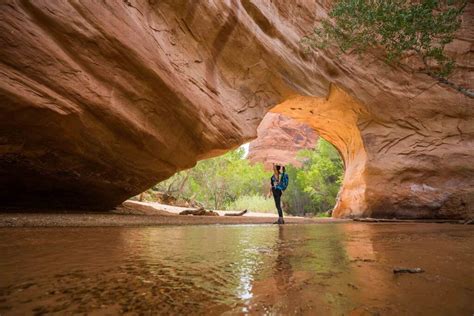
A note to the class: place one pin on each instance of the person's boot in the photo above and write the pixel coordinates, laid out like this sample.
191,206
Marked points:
280,221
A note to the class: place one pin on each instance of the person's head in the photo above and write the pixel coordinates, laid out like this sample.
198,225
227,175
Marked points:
283,169
278,167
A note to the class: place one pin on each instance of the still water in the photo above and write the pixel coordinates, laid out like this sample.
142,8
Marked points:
329,269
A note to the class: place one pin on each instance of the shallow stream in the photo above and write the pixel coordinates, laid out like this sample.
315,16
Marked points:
323,269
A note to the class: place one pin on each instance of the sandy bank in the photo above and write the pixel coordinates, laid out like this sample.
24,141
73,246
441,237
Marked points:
110,219
142,214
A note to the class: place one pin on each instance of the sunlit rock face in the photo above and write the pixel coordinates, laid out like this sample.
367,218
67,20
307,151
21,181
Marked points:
279,139
416,165
100,100
407,142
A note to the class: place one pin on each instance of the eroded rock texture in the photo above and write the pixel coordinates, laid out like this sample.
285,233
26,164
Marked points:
100,100
279,138
407,143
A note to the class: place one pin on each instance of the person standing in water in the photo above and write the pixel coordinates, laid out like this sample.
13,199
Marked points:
279,182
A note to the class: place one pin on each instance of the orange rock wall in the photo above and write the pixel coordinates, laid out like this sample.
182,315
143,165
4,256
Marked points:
335,119
279,138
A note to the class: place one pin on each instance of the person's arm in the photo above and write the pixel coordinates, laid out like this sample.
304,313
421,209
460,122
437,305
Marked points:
271,187
276,174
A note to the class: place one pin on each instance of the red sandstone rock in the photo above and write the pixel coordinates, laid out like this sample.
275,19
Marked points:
100,100
279,138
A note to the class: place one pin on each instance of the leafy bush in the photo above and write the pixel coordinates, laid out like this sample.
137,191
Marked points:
219,181
231,182
315,186
399,28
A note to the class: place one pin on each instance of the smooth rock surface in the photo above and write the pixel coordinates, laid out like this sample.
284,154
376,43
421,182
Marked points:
99,101
279,138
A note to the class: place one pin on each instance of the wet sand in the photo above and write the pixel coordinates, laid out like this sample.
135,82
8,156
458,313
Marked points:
112,219
142,214
134,213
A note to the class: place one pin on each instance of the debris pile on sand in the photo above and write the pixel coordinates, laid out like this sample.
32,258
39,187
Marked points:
203,212
199,212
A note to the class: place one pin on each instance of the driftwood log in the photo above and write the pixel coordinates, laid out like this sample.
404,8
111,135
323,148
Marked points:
199,212
236,214
203,212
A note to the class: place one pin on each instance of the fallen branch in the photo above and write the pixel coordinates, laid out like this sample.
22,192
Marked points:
236,214
199,212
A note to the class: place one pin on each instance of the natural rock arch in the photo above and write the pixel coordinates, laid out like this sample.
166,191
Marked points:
99,101
394,168
335,118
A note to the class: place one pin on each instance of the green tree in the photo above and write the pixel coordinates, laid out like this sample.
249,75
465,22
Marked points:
297,201
219,181
399,27
317,183
230,181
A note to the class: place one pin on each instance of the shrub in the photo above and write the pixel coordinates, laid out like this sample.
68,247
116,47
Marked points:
399,28
255,203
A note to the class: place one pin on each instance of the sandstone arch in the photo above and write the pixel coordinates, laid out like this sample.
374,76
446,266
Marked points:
99,101
335,118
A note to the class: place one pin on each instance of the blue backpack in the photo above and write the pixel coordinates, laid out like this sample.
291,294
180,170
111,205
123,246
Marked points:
284,181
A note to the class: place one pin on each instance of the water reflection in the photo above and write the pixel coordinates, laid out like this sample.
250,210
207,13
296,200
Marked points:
282,271
304,269
445,252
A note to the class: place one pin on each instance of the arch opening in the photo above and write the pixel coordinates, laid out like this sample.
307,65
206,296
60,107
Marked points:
336,118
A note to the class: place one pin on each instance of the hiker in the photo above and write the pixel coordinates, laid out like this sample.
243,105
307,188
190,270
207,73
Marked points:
279,182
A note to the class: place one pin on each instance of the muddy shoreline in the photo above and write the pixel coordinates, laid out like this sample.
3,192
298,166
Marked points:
113,219
122,220
137,214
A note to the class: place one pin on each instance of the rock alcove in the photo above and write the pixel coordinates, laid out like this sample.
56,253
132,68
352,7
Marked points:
99,101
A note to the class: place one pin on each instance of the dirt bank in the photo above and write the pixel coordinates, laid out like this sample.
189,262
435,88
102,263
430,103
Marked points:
113,219
141,214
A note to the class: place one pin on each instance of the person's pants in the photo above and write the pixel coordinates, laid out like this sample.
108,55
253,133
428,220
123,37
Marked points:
277,198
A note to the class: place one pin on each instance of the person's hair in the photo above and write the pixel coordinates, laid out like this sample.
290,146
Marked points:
278,167
283,168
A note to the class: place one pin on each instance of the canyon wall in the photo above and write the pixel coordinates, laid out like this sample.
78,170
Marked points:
279,138
100,100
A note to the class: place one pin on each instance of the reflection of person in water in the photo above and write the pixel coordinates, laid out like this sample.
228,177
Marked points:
282,271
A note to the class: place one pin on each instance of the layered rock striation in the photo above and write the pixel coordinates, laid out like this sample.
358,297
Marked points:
279,139
100,100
